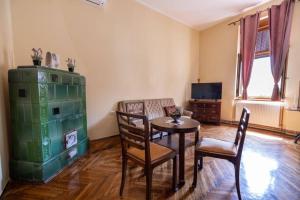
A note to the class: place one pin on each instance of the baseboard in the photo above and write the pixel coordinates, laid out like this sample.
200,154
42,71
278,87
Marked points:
3,189
105,138
265,128
286,132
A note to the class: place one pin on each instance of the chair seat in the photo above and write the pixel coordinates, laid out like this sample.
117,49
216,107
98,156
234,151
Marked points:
210,145
157,153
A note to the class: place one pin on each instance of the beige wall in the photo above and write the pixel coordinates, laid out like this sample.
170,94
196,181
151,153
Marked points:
125,50
218,47
291,119
218,58
6,60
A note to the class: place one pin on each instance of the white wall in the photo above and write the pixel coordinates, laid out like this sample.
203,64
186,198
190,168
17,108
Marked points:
6,60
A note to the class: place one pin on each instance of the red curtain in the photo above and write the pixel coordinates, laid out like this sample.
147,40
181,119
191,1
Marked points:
280,20
248,28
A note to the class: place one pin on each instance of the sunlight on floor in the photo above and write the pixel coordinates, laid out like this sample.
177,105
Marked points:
259,172
263,136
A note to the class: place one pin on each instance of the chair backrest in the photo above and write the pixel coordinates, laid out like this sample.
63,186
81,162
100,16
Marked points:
241,131
131,135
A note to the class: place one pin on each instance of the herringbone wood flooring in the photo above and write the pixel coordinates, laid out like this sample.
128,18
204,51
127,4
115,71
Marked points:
270,170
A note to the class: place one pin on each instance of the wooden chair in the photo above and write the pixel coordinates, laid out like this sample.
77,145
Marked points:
137,147
231,151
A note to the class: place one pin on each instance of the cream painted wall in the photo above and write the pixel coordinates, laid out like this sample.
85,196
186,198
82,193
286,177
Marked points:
218,48
218,61
291,119
6,60
125,50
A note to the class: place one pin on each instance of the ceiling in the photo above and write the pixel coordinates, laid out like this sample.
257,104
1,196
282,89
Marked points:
200,14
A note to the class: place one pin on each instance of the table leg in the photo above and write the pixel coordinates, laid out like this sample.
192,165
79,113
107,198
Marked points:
297,138
181,159
196,142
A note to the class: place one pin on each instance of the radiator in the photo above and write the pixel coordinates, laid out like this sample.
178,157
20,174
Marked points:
262,113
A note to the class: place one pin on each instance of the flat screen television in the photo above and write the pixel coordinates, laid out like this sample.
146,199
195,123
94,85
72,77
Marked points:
207,91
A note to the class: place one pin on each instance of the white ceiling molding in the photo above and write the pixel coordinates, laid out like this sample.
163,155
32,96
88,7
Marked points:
200,14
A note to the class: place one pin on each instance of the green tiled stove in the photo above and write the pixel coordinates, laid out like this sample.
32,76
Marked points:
48,118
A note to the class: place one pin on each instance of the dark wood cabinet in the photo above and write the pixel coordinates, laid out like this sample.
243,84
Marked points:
206,111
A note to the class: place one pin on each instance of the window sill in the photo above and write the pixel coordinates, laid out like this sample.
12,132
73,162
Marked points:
260,101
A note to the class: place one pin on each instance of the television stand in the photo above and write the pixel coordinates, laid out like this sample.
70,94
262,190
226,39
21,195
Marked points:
208,111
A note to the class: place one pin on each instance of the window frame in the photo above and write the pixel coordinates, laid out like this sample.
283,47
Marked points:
263,25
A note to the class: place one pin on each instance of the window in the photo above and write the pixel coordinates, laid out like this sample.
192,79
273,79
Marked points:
261,81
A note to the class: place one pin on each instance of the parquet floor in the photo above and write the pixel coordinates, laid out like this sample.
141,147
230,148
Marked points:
270,170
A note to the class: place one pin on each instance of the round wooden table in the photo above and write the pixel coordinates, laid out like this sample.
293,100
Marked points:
187,125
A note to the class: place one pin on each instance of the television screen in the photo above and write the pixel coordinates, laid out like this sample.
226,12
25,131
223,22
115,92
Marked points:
206,90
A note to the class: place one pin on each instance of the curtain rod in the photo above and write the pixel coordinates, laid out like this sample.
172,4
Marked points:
234,22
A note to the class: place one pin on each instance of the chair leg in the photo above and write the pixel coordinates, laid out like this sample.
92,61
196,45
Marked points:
196,137
237,179
174,181
161,135
201,163
124,169
195,170
149,173
297,138
151,134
